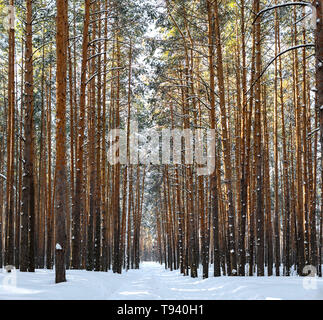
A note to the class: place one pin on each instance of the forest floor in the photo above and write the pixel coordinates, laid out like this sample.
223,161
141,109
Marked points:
151,282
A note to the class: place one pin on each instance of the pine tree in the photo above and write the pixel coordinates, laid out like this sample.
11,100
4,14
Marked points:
61,206
27,260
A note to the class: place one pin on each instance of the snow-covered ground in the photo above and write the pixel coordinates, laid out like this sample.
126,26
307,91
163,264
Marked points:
151,282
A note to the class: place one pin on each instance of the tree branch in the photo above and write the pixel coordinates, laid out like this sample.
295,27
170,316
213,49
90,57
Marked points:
308,45
281,6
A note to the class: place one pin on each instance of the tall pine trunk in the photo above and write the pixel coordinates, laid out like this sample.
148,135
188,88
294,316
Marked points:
61,208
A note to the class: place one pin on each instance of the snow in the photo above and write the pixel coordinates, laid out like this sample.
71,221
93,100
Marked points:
3,176
152,282
58,246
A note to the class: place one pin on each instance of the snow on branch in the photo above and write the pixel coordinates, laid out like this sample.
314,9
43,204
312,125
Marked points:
5,178
306,45
312,132
287,4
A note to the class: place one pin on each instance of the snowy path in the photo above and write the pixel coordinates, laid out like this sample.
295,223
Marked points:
151,282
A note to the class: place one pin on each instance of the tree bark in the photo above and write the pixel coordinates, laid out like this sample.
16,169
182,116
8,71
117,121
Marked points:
61,208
